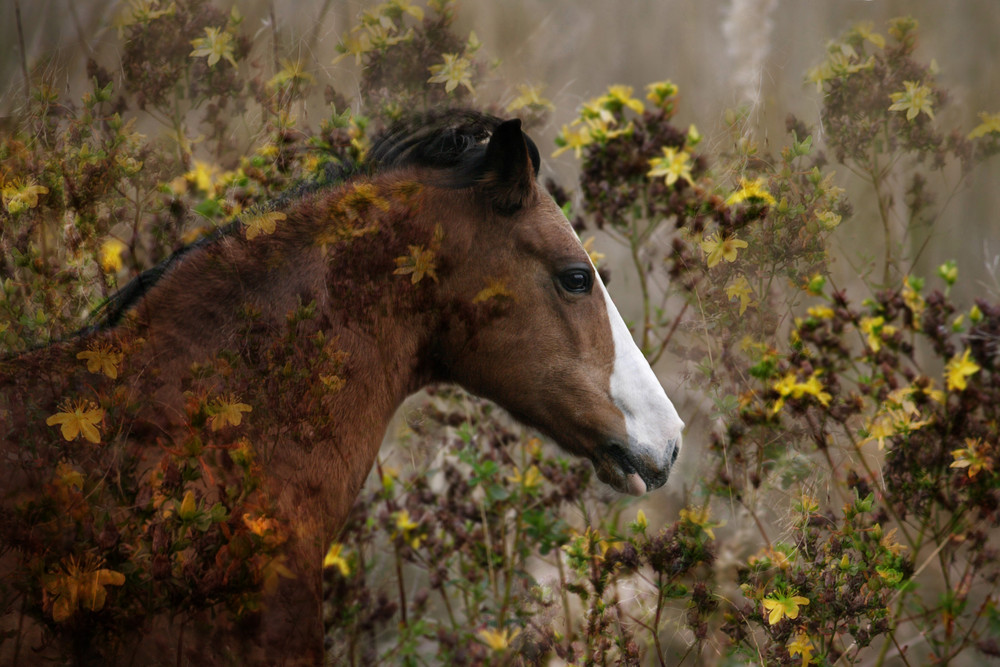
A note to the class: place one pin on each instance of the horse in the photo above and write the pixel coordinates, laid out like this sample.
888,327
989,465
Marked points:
256,371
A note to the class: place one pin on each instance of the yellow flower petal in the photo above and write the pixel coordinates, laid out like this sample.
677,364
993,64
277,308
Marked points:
78,418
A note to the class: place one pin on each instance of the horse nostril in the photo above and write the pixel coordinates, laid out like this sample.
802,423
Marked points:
677,450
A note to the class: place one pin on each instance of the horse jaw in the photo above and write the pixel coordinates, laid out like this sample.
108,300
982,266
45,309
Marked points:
651,421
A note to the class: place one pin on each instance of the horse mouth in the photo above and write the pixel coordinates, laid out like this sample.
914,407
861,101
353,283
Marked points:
627,473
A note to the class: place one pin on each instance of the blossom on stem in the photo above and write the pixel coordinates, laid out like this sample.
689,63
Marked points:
959,370
672,166
81,417
779,606
215,45
916,98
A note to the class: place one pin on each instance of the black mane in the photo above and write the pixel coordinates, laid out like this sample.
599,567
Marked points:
452,140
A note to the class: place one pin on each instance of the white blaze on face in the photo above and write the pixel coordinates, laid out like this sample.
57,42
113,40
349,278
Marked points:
653,426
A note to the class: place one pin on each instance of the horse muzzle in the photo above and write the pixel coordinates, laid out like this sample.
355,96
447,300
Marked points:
634,471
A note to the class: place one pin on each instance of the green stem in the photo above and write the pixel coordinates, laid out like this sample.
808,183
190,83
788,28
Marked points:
670,335
634,245
656,622
402,591
565,600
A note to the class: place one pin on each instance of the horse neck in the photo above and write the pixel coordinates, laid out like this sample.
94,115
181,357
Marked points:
378,326
380,370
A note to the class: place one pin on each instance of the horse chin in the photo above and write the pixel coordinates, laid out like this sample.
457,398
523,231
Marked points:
626,472
620,480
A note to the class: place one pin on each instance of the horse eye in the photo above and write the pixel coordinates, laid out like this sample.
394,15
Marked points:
577,281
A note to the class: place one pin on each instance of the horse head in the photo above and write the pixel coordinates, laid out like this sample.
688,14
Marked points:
545,341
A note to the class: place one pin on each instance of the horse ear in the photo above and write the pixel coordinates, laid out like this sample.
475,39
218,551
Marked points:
510,166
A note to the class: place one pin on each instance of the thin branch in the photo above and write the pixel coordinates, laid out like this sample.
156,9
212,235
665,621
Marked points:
24,55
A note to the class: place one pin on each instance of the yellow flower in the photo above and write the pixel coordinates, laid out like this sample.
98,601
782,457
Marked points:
19,196
913,100
129,165
74,585
948,272
621,96
401,7
334,558
958,370
498,640
808,504
990,125
67,476
881,428
790,386
404,522
601,131
595,257
531,97
261,223
389,477
693,137
385,34
975,457
801,645
698,517
227,411
865,30
78,418
351,45
814,387
202,176
876,329
215,44
110,256
260,525
673,165
821,312
472,44
891,575
740,289
913,300
661,92
828,220
896,416
591,545
141,12
780,606
721,249
596,110
528,480
454,71
640,521
819,75
188,507
358,202
815,284
417,264
405,526
292,72
754,191
101,359
575,139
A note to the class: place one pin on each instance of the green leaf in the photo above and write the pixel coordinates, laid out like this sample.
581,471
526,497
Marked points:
209,209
